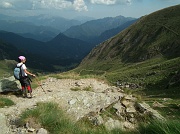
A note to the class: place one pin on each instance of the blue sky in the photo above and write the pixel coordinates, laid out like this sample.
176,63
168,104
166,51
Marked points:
91,8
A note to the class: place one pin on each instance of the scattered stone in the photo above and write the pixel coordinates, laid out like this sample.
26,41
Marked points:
31,130
113,124
145,108
42,131
167,99
71,102
78,84
131,109
157,104
50,90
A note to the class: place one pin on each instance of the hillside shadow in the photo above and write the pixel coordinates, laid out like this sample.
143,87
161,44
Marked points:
166,88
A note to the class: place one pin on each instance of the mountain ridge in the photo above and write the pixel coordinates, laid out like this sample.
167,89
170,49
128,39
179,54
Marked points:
139,41
147,53
90,30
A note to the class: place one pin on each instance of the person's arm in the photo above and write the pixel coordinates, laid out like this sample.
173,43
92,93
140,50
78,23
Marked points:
27,72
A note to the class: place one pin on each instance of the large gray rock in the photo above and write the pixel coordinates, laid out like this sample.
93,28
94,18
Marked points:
145,108
9,84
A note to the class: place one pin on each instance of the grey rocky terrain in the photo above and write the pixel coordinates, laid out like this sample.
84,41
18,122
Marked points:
78,104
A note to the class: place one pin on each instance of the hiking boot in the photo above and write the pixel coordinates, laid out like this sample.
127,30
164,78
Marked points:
30,95
24,94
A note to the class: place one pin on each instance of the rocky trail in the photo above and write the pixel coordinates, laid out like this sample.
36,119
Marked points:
77,103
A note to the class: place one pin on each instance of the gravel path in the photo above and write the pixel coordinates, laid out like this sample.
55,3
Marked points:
77,103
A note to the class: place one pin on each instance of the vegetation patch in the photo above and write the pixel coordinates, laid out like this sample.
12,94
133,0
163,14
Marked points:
75,89
52,118
158,127
5,102
89,88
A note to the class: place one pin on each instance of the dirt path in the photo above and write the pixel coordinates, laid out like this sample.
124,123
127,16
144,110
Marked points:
77,103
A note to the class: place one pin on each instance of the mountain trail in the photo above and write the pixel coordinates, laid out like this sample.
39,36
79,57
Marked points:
76,103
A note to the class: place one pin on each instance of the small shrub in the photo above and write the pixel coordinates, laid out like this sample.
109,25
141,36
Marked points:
75,89
89,88
6,102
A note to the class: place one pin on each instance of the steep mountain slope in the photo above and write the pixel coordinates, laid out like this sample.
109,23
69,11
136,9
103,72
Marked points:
64,47
148,52
92,29
6,51
8,55
21,43
112,32
154,35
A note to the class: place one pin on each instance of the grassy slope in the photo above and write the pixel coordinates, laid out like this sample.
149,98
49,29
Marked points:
147,53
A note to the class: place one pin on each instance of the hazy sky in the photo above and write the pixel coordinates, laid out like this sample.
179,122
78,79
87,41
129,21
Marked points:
91,8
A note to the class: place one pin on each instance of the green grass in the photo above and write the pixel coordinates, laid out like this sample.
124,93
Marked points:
5,102
158,127
152,75
52,118
56,121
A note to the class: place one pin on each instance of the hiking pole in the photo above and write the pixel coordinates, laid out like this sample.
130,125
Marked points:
40,84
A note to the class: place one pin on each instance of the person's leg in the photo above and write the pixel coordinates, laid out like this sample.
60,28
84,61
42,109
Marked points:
28,86
23,86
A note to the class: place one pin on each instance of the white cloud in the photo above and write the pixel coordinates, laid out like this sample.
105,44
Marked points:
6,4
110,2
77,5
51,4
80,5
106,2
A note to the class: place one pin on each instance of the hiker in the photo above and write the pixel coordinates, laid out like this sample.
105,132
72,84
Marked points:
24,79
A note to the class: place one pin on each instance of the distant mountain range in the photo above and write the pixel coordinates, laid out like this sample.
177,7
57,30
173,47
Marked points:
42,27
56,22
45,28
60,50
91,31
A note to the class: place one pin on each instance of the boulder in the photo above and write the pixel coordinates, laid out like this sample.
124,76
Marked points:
9,84
145,108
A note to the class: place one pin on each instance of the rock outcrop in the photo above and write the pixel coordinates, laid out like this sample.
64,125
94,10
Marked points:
9,84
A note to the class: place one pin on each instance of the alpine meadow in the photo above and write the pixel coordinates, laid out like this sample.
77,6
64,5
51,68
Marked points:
129,83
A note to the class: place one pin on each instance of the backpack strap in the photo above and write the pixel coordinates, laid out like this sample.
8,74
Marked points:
20,70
